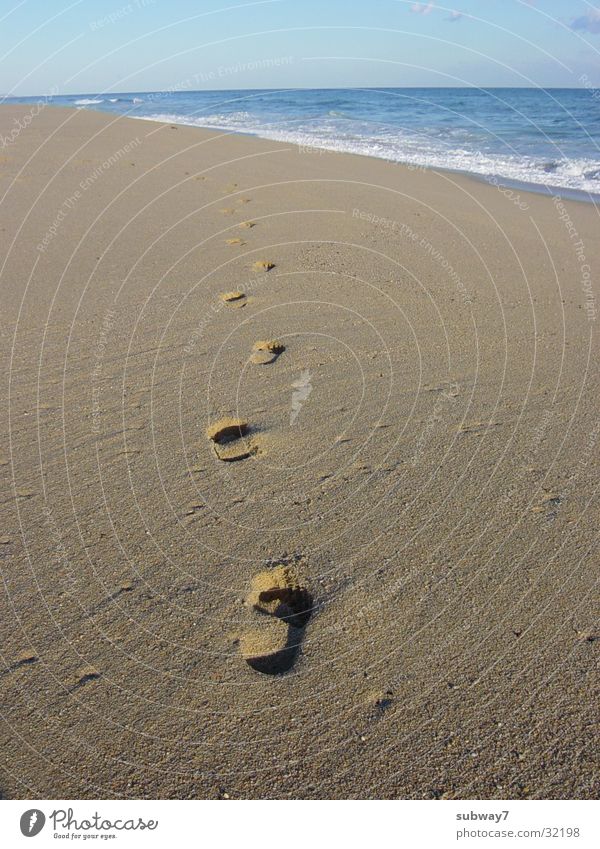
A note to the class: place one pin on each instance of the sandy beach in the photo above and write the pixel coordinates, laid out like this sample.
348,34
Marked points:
299,472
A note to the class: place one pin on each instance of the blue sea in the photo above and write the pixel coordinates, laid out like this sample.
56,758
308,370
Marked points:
541,137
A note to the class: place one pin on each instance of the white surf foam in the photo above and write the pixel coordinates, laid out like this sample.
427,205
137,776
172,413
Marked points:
410,148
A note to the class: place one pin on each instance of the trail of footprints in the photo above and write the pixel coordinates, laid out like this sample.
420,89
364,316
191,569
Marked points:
281,603
231,438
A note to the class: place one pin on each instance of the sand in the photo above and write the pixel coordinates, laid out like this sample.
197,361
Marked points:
423,459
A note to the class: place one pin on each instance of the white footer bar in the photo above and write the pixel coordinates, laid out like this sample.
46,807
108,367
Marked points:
230,823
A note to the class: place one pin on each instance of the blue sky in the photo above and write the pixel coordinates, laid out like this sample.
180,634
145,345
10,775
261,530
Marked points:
87,46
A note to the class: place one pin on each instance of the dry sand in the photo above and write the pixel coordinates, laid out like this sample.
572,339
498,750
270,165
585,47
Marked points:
421,456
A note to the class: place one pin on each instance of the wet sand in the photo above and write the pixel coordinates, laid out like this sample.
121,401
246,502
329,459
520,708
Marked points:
299,473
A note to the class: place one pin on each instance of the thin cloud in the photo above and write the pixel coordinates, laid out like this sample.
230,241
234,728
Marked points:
589,22
454,16
422,8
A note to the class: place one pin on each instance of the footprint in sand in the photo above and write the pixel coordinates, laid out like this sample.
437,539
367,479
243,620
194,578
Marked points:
24,659
85,676
477,427
263,265
378,704
122,589
286,606
25,493
235,242
227,210
587,636
195,508
247,225
234,299
231,441
548,502
266,351
241,201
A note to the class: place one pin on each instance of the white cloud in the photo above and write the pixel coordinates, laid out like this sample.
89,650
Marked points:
422,8
589,22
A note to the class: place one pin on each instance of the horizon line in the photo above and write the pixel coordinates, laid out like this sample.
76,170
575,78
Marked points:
303,88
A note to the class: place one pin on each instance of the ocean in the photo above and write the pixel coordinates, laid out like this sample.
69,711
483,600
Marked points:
543,139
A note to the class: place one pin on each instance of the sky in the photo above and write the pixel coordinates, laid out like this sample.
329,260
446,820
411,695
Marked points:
101,46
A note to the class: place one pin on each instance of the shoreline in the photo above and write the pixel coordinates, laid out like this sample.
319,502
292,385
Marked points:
509,183
547,190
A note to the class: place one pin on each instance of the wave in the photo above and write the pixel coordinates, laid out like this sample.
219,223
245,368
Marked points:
232,120
87,102
417,149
